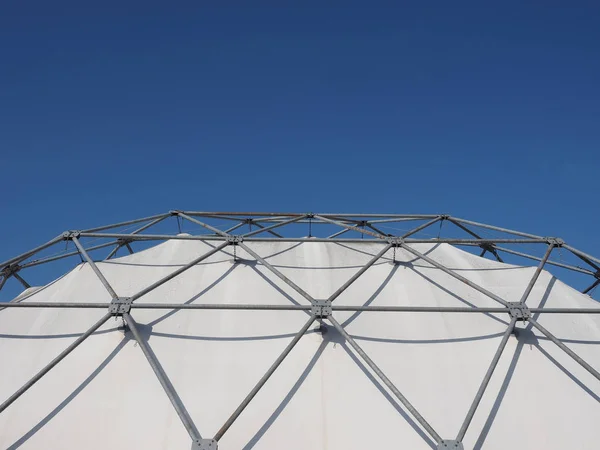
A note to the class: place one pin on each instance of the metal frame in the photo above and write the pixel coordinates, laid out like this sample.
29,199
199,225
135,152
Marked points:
318,309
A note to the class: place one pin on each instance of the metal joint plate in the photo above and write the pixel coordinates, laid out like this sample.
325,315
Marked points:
205,444
321,308
557,242
71,234
119,306
519,311
395,241
447,444
234,239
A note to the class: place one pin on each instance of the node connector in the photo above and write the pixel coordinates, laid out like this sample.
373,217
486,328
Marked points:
234,239
519,311
175,212
448,444
70,234
321,308
444,216
205,444
395,241
556,242
310,215
119,306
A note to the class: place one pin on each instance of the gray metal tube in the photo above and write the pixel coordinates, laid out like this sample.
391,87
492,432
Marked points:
54,362
537,273
491,227
385,380
202,224
363,269
285,279
178,271
552,263
351,227
420,227
235,227
25,284
92,264
566,349
279,224
485,381
455,275
163,237
162,378
292,307
584,256
66,255
31,252
263,380
339,233
585,291
122,224
475,235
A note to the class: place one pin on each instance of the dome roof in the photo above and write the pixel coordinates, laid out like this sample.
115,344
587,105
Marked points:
395,359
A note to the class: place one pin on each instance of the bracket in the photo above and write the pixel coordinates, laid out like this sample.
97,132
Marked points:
519,311
444,216
174,212
395,241
310,215
234,239
488,247
556,242
119,306
11,269
321,308
68,235
448,444
205,444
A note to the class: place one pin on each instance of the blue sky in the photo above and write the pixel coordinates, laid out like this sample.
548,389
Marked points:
125,110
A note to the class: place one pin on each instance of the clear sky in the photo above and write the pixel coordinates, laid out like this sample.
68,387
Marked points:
130,109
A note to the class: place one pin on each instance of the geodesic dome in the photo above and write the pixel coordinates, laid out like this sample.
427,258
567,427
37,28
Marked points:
319,331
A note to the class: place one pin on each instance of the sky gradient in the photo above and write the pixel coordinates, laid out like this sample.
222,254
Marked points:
122,111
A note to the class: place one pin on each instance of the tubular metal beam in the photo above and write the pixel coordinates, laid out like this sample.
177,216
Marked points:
566,349
280,224
162,378
178,271
384,239
485,381
339,233
552,263
122,224
596,283
202,224
421,227
263,307
281,276
455,275
491,227
537,273
270,232
92,264
385,380
22,256
351,227
493,250
263,380
53,363
66,255
362,270
584,256
25,284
